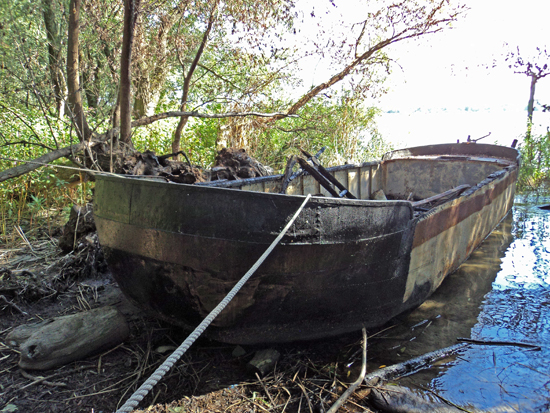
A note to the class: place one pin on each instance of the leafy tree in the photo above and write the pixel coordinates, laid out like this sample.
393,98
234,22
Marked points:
536,67
536,147
206,59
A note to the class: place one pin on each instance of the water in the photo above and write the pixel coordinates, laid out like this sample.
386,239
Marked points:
432,126
500,294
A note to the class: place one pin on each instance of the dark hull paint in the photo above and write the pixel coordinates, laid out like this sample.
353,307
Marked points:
176,250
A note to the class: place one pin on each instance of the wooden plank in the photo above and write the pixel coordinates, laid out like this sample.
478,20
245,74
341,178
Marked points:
353,182
311,186
364,178
257,187
322,180
455,191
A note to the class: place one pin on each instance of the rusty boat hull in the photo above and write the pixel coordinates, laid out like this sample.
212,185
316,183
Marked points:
176,250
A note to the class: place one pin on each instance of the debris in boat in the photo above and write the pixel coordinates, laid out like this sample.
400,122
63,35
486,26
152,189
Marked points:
233,164
264,361
287,176
327,175
379,196
442,197
61,340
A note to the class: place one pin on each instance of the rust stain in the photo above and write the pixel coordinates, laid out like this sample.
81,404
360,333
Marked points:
447,218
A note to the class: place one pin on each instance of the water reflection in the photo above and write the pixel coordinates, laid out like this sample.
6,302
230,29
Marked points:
501,293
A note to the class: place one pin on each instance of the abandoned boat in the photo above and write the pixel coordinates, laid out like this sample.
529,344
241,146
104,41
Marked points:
176,249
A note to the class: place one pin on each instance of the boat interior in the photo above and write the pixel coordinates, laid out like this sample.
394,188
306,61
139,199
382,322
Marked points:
426,181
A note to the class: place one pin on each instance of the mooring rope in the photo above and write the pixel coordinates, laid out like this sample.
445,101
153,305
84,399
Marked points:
146,387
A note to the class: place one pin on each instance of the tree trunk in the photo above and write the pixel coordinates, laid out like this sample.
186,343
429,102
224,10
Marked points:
176,142
125,93
531,104
54,54
73,84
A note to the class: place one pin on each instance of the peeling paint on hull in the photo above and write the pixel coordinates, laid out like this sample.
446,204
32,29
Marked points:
176,250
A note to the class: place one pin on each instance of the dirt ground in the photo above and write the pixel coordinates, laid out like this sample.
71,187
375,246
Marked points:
38,281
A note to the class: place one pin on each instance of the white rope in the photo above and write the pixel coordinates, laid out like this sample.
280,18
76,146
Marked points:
146,387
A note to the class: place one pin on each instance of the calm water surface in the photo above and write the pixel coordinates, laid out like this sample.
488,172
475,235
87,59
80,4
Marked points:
501,293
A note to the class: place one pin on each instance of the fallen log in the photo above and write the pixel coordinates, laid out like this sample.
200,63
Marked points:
29,166
61,340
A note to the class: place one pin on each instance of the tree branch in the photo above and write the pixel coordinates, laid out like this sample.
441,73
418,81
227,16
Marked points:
29,166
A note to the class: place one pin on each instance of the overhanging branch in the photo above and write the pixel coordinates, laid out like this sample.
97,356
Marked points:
69,150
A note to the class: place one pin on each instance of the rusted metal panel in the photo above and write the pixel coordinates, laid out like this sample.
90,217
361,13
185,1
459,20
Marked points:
448,235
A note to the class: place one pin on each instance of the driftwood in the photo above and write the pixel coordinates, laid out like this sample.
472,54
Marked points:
417,363
61,340
397,399
500,343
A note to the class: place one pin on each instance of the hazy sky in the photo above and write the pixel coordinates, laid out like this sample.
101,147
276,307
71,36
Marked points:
450,68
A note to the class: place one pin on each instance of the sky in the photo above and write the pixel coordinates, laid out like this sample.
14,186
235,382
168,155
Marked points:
452,70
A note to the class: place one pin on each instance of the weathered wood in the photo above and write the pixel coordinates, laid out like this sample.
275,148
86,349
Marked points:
499,343
288,172
320,178
455,191
61,340
328,175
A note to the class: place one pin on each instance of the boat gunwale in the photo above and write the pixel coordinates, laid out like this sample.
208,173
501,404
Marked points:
321,199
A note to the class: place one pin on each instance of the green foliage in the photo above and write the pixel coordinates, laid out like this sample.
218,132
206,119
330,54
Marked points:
30,198
247,65
342,124
200,141
535,166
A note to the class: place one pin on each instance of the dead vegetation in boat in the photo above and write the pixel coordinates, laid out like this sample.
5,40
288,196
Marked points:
230,164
